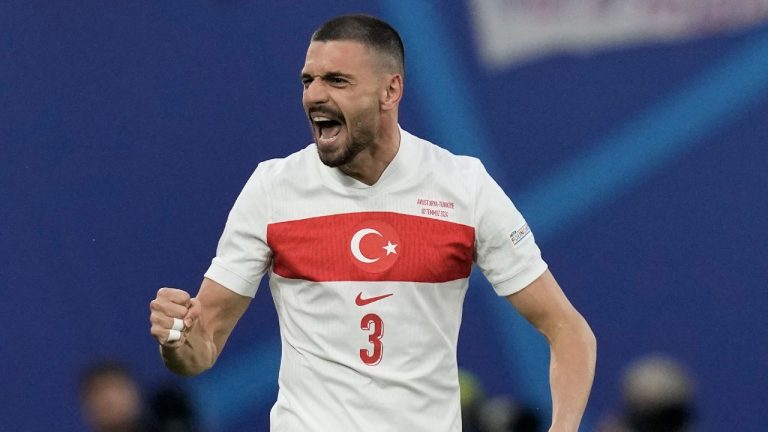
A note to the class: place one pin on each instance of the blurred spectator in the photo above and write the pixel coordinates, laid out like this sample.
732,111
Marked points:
502,414
497,414
472,397
110,399
172,411
657,396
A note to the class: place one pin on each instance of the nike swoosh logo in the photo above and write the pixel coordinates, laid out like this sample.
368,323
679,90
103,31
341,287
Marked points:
360,301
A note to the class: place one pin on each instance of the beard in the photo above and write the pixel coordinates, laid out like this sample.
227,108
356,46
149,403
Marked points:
347,153
360,136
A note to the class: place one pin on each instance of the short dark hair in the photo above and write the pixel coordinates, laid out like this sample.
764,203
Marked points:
368,30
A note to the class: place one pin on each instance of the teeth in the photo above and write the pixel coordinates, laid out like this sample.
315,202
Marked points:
319,119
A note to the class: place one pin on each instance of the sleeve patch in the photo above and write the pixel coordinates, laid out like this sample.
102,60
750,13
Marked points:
519,234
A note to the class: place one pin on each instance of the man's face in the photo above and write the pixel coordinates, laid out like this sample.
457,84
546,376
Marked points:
341,98
112,402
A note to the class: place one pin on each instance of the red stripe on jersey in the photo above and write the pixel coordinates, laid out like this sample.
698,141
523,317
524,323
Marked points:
371,246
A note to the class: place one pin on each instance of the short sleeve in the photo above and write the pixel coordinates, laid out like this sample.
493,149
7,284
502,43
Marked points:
505,250
242,255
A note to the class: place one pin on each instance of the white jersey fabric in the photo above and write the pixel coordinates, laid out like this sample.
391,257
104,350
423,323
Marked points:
369,281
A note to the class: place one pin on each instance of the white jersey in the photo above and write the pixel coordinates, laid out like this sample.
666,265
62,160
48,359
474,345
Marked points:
369,281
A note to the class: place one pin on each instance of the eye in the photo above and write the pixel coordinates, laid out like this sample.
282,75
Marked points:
338,81
306,81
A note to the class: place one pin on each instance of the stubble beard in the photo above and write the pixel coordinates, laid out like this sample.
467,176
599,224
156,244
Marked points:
359,137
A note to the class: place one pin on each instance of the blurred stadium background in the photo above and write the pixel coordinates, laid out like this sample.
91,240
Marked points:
632,134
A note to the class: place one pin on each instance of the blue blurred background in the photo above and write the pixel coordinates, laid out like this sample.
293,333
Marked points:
128,128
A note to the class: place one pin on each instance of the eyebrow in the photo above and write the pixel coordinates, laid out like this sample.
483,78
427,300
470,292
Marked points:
327,75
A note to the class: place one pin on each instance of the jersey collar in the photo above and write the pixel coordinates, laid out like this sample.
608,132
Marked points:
393,173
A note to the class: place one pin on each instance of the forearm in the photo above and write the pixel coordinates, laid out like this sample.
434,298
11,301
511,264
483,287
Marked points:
572,369
194,356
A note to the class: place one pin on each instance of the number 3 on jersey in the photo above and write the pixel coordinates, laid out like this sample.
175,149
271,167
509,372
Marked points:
372,323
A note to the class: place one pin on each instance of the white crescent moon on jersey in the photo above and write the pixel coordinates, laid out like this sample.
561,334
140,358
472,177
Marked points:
354,245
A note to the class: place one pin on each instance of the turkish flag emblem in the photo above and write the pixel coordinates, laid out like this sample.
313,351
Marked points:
374,246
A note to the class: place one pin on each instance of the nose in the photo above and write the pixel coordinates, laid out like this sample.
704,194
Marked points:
315,93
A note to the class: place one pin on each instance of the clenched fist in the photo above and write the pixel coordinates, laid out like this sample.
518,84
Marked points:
173,313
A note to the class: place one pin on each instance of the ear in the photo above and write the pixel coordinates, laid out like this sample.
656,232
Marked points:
392,92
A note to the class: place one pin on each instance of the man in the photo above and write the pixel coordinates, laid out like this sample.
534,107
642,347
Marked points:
111,400
369,251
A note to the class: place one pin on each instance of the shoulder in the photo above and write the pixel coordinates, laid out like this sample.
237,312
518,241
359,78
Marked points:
288,165
295,165
439,158
259,192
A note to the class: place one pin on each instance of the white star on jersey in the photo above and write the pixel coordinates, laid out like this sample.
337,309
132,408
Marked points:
390,248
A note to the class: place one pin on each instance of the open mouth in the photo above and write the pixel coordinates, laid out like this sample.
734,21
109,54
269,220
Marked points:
327,127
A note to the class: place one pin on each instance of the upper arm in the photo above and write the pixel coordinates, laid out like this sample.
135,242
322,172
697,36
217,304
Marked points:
505,249
221,309
545,306
243,254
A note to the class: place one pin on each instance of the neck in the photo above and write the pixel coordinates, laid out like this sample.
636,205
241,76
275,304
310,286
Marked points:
369,165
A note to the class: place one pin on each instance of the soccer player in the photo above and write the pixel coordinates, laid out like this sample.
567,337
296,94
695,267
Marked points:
369,249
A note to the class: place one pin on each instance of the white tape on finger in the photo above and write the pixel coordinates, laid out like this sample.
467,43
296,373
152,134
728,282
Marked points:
173,335
178,325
